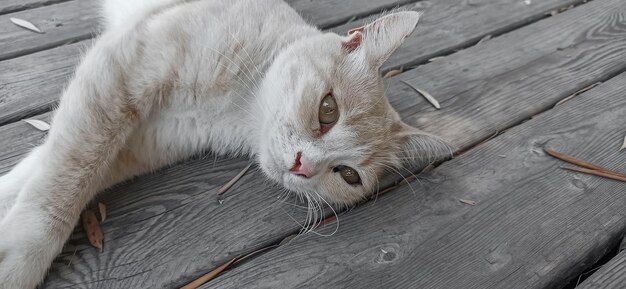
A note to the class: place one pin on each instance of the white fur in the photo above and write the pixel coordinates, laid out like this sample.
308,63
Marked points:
172,78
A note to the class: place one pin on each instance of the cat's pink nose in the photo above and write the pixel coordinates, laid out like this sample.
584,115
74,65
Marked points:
301,168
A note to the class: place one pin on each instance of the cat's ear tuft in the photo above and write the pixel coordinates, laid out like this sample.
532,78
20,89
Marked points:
354,41
379,39
419,147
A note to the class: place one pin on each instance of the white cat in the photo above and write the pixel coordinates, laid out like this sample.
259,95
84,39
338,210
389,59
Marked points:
169,79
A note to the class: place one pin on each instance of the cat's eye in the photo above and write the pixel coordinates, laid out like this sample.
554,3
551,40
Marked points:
348,174
329,112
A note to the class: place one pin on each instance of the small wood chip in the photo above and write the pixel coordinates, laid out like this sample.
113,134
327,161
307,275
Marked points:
392,73
468,202
38,124
92,228
623,144
436,58
230,183
25,24
103,212
484,39
425,94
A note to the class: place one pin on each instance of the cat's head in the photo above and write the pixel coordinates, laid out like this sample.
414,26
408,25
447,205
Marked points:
328,129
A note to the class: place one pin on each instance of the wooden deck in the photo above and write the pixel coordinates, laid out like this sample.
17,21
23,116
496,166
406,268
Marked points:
498,68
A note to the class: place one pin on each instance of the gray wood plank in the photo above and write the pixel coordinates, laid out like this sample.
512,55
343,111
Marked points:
328,13
17,139
156,222
447,26
437,33
610,276
32,84
534,225
10,6
63,23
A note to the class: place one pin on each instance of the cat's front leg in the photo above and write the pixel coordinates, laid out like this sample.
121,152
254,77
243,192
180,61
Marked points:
95,118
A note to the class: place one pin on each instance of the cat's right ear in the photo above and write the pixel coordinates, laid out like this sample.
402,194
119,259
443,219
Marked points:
376,41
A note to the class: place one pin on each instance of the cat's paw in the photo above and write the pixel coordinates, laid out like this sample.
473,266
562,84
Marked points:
26,252
18,268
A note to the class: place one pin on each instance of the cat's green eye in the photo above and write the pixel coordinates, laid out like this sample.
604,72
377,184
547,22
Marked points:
329,112
348,174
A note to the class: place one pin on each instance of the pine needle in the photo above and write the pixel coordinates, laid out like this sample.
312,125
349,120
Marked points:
208,276
38,124
230,183
425,94
25,24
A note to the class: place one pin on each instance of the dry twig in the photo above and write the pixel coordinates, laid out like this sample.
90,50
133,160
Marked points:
230,183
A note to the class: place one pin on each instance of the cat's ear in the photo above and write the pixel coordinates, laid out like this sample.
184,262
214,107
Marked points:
376,41
417,146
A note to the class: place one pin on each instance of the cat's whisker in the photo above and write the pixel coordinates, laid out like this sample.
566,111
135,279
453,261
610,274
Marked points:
322,219
402,176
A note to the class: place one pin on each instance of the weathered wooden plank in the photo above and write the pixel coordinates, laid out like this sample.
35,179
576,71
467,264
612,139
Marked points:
32,84
454,24
17,139
328,13
63,23
611,275
151,238
436,34
534,224
10,6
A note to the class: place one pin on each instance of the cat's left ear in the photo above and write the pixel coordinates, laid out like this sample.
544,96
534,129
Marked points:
418,146
376,41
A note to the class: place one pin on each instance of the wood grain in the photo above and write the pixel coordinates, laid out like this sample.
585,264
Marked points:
63,23
10,6
447,26
610,275
32,84
440,31
168,228
329,13
534,225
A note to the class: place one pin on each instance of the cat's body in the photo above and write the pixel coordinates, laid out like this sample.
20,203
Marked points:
170,79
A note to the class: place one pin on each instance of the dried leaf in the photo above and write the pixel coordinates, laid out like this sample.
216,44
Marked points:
392,73
425,94
92,228
103,212
38,124
623,144
25,24
468,202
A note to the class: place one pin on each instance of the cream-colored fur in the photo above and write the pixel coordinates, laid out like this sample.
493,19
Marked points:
169,79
